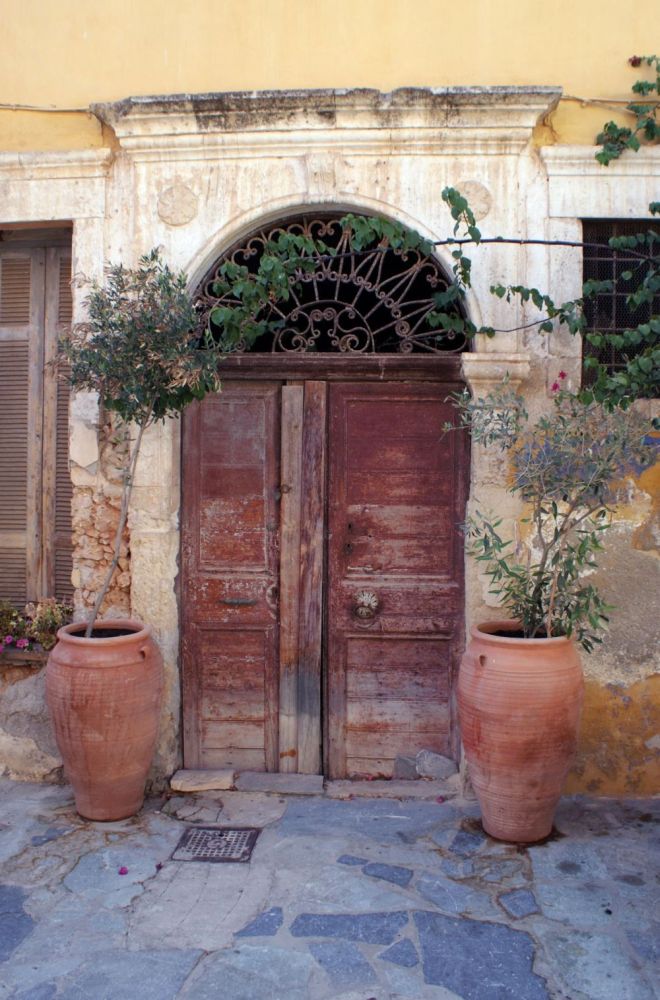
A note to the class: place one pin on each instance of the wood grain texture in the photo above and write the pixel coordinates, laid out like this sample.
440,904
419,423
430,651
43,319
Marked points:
312,577
394,508
290,512
229,580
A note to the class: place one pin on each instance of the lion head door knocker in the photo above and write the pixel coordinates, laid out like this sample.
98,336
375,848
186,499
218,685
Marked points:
366,605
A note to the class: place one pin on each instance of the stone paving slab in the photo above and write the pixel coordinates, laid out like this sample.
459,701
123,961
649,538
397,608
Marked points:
354,899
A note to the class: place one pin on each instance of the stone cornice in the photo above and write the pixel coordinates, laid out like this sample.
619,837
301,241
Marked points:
580,161
410,120
65,165
485,370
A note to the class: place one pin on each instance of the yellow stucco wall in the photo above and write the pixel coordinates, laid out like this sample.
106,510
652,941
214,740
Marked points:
68,54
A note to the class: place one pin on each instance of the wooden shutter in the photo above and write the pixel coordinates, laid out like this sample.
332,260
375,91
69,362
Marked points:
35,487
57,488
21,393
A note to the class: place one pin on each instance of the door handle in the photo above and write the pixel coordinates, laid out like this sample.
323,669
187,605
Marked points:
366,604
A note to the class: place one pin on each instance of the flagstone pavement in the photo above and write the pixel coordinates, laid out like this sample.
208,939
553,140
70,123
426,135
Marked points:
354,899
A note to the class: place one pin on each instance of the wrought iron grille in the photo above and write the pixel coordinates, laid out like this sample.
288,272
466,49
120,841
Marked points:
609,312
369,302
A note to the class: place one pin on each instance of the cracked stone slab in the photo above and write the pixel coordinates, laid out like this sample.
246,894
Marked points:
477,960
44,991
593,965
581,905
67,935
197,905
114,975
455,897
396,874
15,923
371,928
375,820
343,962
519,903
266,924
402,953
351,860
97,874
252,973
467,843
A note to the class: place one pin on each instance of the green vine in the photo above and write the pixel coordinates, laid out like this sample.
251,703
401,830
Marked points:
615,139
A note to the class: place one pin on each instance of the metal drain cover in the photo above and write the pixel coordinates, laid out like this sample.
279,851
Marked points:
216,843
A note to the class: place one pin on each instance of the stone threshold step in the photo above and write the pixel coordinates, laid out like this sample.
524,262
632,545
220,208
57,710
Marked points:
188,780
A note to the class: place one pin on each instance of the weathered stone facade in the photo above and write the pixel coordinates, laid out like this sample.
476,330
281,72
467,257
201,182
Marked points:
194,174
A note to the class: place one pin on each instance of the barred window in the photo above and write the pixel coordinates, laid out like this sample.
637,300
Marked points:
609,312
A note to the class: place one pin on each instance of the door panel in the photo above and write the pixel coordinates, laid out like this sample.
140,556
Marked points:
230,566
323,490
395,502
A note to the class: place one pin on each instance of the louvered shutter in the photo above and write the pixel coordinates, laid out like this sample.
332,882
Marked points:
21,403
35,485
57,532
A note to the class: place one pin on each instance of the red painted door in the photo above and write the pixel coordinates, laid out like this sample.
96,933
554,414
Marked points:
395,591
229,578
345,499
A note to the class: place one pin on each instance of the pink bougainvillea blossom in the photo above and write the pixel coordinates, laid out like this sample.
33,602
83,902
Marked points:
554,387
562,376
8,639
123,870
22,643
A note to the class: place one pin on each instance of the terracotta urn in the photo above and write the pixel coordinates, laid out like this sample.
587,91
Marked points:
104,695
519,704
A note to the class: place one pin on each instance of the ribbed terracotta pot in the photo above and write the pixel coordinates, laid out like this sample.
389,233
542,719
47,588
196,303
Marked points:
104,695
519,704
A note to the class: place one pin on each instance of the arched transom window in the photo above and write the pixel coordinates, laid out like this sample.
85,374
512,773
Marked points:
354,302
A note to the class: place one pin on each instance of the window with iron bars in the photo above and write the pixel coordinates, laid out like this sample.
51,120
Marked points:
609,312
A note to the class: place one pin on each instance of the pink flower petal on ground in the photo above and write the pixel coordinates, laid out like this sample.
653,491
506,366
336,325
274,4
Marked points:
562,375
123,870
440,799
554,387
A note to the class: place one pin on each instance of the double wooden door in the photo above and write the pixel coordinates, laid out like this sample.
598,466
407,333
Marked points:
322,575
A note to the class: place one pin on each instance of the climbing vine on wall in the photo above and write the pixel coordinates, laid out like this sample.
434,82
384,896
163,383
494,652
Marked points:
243,318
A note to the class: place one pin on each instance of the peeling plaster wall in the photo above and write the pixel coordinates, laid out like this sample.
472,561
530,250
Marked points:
194,174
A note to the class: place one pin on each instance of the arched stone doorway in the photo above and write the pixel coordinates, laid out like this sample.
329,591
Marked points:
322,604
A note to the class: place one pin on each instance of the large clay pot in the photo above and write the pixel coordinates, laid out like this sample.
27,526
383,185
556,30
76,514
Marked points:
519,703
104,695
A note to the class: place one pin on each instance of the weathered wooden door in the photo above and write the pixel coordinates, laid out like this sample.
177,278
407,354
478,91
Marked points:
321,594
394,574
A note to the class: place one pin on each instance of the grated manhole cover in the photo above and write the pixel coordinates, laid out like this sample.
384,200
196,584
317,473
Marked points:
216,843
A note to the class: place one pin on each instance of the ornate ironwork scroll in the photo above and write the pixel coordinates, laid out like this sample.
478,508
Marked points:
368,302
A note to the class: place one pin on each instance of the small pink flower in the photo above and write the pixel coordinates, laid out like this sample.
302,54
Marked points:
22,643
8,639
123,870
440,799
562,376
554,387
